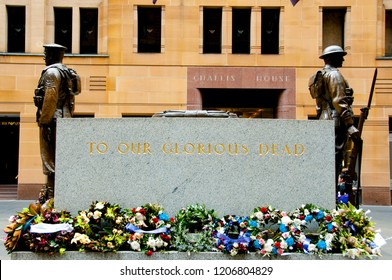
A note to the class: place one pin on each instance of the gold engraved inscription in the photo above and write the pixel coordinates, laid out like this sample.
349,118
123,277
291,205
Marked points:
281,150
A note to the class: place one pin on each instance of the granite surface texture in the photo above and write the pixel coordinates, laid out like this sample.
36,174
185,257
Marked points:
230,165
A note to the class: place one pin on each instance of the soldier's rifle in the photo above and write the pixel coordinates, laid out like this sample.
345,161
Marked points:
356,153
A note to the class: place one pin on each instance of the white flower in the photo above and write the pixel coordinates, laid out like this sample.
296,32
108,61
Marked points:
259,215
286,220
97,214
140,217
302,238
329,237
159,243
99,205
351,253
138,236
233,252
119,220
135,245
82,238
268,245
151,243
283,244
311,247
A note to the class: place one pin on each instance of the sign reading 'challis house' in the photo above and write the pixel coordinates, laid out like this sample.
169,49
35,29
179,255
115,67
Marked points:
230,165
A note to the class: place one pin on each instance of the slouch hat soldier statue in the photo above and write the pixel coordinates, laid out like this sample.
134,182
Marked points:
334,99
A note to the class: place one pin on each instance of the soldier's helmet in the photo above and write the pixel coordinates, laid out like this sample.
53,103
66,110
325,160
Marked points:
333,49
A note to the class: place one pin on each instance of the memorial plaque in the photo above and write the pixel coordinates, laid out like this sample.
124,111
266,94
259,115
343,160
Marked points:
231,165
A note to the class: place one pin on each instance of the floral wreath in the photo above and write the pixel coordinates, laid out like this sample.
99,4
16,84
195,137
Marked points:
352,232
267,231
193,229
100,228
149,228
236,234
40,228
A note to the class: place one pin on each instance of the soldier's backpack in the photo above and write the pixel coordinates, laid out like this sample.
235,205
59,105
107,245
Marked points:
316,84
70,82
74,84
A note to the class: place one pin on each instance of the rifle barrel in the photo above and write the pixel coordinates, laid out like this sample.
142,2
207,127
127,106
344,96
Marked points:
372,88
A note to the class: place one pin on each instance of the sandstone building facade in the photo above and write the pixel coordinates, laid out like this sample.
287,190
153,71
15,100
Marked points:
251,57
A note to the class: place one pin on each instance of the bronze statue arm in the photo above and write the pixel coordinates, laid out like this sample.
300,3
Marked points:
51,87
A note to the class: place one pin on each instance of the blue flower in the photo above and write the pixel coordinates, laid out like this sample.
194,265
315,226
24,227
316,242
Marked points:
330,227
308,218
322,245
319,215
253,223
290,241
256,244
282,228
163,217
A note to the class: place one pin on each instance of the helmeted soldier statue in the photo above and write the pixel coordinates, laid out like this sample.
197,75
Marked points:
335,103
53,99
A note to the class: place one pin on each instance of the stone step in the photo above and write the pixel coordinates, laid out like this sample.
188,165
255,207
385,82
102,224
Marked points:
8,192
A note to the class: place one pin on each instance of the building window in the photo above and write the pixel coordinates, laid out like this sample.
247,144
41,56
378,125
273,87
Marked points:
241,30
212,30
333,27
388,33
88,30
270,30
149,29
16,28
63,27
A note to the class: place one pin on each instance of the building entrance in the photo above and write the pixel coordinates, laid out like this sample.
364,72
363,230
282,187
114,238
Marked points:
246,103
9,143
265,92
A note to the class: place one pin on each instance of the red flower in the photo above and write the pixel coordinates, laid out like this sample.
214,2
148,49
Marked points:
134,210
263,209
301,217
155,220
299,245
277,244
328,218
165,237
172,220
142,211
149,253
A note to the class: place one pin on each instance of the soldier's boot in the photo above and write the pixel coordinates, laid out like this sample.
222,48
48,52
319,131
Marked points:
50,186
47,191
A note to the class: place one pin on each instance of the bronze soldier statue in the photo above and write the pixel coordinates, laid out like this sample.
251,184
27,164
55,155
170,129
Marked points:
334,99
54,98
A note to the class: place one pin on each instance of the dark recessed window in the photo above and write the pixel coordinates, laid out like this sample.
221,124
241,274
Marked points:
270,31
388,33
212,30
241,31
63,27
149,29
16,28
88,31
333,27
